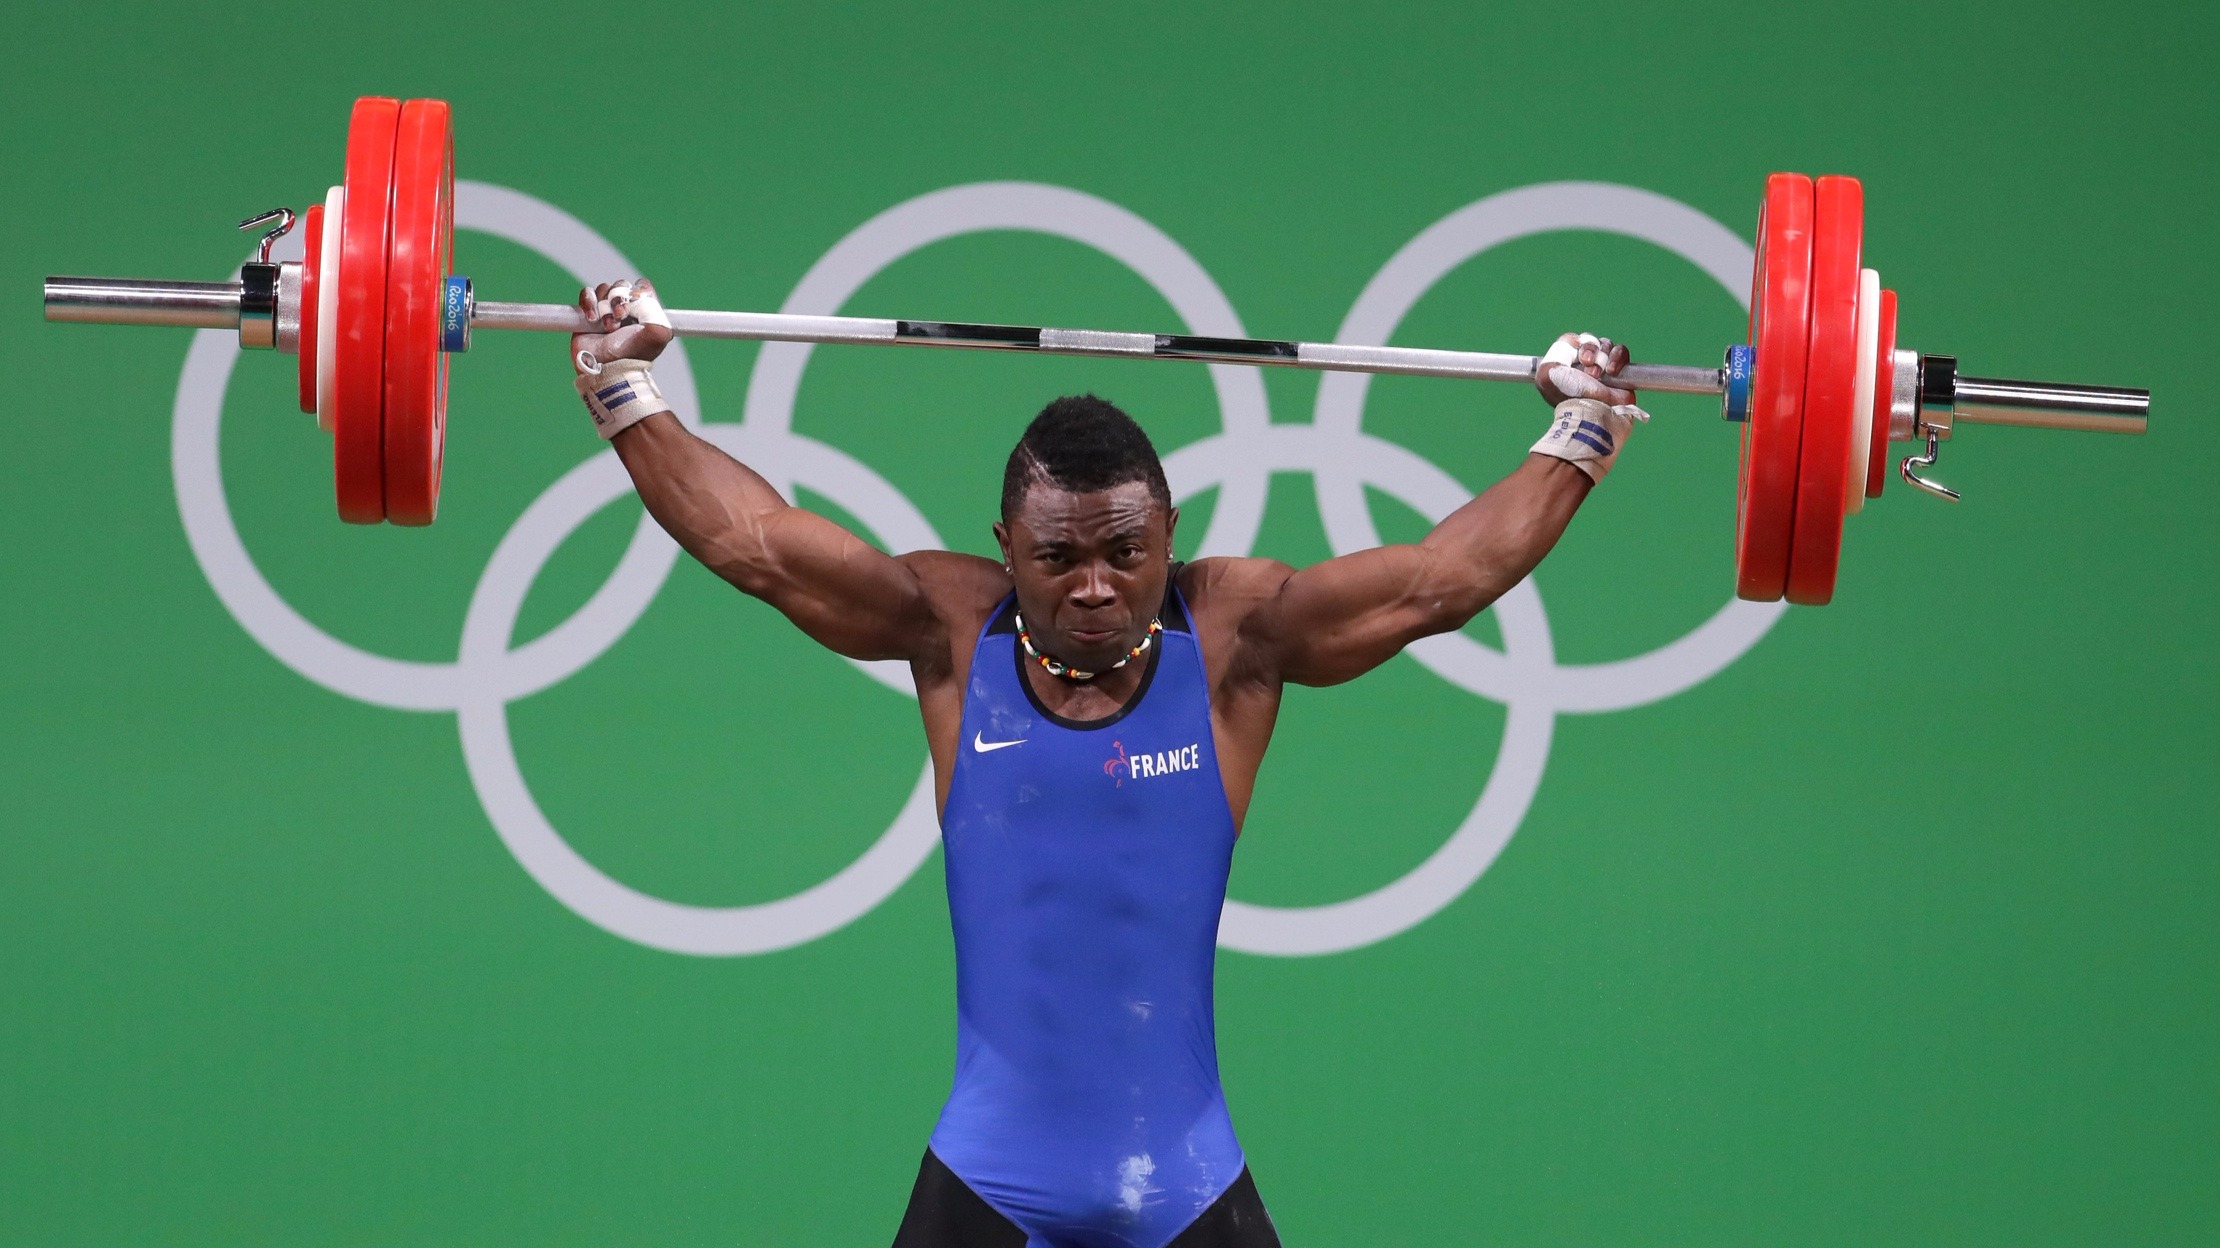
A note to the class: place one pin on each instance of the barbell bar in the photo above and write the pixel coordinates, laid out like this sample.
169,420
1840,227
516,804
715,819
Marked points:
374,310
217,305
1978,400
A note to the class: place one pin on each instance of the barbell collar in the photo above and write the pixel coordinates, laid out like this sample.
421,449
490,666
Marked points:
1938,380
286,323
258,305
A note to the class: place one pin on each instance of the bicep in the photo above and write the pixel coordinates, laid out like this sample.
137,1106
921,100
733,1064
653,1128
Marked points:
1336,620
846,594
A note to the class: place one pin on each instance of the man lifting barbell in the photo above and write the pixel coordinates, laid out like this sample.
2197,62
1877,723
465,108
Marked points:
1096,713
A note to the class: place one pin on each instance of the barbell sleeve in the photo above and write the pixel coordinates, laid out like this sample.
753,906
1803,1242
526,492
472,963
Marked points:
136,301
2050,405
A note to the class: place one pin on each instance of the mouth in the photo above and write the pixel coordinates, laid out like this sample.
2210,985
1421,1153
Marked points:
1093,637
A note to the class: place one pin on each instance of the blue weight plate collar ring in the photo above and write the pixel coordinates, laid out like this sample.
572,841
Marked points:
1734,400
455,301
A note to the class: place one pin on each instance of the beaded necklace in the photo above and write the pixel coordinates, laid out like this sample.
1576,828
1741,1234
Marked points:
1057,667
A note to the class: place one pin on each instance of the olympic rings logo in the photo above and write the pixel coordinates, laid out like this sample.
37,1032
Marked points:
489,671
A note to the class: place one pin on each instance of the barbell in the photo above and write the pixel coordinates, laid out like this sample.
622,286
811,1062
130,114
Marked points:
374,310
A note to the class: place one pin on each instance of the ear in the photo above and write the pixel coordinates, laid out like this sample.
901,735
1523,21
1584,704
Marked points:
1171,530
1002,539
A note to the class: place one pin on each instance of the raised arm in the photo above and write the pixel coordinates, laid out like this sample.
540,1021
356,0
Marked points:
839,589
1336,620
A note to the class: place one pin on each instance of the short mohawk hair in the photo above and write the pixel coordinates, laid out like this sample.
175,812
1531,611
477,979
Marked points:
1083,444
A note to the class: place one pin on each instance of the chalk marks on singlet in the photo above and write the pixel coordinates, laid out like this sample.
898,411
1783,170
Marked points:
490,671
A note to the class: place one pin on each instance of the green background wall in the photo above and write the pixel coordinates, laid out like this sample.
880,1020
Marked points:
1900,929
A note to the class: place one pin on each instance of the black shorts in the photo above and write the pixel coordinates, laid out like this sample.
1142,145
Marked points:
945,1213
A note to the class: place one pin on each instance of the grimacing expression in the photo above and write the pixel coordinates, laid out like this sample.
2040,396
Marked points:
1090,569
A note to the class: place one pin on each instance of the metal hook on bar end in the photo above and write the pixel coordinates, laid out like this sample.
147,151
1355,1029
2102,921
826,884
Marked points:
1936,488
284,218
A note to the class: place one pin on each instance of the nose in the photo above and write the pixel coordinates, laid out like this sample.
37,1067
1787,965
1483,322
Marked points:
1093,590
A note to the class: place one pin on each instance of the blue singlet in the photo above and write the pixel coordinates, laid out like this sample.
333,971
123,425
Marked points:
1087,867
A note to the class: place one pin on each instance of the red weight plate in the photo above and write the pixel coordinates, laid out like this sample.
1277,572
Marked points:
416,267
312,263
1830,391
358,340
1780,307
1884,384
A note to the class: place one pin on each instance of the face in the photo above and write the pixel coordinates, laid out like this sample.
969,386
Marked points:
1089,568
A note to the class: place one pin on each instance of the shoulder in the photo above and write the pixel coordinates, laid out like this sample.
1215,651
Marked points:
1227,591
951,568
1232,603
960,590
956,584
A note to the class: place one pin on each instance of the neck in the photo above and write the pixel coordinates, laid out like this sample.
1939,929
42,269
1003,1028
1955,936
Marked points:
1099,698
1063,670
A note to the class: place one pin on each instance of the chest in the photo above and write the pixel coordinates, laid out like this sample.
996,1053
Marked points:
1152,756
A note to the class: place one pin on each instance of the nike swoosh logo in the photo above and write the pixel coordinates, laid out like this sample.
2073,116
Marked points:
980,743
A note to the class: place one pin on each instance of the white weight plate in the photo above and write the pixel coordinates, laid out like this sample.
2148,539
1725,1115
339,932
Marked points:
1869,366
327,303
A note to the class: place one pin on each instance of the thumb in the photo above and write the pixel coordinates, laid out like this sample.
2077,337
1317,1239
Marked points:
1575,383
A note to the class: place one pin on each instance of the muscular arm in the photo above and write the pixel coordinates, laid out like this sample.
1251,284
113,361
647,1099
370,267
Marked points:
845,593
1336,620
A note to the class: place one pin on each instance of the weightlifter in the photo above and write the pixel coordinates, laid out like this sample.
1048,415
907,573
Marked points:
1096,713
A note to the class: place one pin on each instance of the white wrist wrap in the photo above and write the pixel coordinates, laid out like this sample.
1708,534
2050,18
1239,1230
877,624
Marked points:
620,396
1587,433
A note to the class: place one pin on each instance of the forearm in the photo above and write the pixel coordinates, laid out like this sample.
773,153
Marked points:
1482,549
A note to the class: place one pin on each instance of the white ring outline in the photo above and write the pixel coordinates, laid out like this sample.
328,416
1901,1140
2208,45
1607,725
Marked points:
487,674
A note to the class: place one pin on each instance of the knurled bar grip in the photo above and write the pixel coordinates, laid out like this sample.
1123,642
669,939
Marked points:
1323,356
